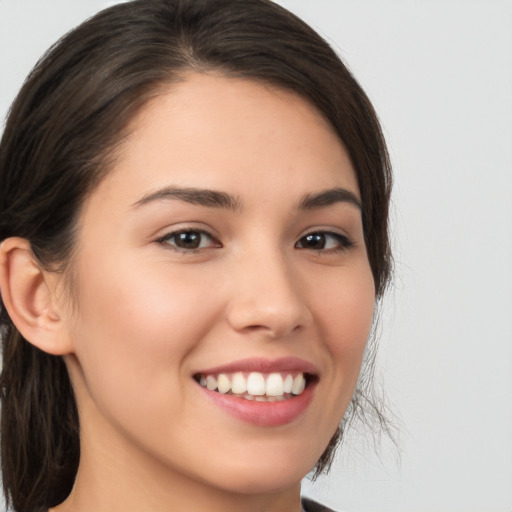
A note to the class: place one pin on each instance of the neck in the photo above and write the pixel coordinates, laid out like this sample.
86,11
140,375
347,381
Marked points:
117,473
105,488
115,476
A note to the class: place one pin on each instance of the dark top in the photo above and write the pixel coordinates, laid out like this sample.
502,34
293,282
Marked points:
312,506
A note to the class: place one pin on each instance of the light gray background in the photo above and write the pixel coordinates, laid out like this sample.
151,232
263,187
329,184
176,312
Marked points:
440,76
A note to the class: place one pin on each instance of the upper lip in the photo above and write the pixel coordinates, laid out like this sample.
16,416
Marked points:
263,365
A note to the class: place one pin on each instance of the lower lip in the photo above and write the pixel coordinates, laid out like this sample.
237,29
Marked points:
268,414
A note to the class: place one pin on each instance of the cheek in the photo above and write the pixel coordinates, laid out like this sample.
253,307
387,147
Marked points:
346,314
352,322
136,327
146,306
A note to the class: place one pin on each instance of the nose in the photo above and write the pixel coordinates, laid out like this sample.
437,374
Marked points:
267,297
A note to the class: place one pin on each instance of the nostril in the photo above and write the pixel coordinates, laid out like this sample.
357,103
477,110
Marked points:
272,331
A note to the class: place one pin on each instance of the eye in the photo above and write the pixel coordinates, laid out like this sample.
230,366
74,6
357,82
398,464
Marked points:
324,241
189,240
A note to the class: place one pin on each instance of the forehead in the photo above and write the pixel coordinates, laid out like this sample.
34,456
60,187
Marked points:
231,133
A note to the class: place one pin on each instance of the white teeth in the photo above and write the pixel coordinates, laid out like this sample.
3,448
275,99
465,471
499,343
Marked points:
299,383
256,384
238,384
274,385
211,382
223,384
288,384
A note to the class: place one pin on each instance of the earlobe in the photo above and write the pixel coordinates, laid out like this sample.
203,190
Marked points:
29,296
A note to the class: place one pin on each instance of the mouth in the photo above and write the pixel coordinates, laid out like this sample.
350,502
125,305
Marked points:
257,386
259,391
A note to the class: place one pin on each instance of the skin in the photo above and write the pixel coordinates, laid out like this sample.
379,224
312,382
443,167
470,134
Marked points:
147,315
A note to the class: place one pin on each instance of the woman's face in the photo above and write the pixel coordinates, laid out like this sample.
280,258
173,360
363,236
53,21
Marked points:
224,249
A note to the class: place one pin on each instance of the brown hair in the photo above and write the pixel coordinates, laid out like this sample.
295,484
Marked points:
60,140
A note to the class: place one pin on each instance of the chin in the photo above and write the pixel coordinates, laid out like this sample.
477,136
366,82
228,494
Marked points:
264,481
264,473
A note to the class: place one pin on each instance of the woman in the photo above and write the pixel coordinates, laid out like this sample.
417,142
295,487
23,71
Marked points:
194,235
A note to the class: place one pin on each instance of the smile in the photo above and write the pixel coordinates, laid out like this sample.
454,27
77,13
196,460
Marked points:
262,392
258,386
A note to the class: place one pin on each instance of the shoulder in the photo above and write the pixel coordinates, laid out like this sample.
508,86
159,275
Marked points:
312,506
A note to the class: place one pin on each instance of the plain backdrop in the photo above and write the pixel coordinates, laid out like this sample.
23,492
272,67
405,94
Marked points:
440,76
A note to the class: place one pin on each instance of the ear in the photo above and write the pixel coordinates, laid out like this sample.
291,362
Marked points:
29,295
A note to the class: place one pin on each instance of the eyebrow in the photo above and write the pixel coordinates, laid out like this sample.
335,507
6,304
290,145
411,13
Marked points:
215,199
329,197
199,196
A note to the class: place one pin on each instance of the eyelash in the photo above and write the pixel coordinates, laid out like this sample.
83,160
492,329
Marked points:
342,241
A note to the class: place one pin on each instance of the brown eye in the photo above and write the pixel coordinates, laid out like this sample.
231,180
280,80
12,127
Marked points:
189,240
313,241
324,241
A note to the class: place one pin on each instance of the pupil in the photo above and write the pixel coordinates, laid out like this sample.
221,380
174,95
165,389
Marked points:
188,240
315,241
